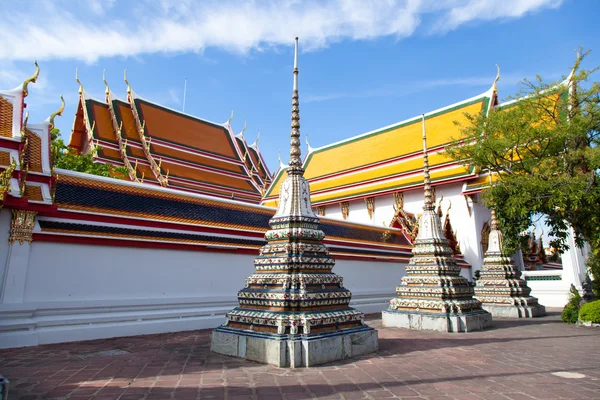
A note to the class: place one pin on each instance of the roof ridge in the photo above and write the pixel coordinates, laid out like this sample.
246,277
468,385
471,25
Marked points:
412,119
134,96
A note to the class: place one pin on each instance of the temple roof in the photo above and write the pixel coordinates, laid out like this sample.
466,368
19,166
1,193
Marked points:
102,208
344,170
167,147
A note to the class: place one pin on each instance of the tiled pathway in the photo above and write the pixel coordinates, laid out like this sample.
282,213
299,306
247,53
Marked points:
541,359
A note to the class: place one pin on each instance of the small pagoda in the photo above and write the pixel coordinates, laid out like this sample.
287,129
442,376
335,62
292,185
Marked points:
294,311
500,288
433,295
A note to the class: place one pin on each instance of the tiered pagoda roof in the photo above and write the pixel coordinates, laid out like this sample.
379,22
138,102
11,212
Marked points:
162,146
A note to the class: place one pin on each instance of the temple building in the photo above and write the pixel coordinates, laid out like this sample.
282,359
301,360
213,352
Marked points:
88,257
384,187
161,146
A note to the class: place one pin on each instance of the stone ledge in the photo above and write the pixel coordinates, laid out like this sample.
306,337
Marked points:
512,311
286,351
437,322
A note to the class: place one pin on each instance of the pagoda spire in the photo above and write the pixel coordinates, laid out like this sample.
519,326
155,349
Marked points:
429,205
295,163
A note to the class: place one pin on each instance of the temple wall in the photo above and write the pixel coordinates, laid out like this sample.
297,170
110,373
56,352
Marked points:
72,292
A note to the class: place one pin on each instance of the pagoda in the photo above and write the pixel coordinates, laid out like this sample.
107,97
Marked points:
499,288
294,311
433,295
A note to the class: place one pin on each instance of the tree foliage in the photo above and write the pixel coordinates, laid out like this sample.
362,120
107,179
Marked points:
64,157
544,147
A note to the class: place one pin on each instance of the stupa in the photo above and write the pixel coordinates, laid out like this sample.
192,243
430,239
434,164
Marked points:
433,295
500,288
294,311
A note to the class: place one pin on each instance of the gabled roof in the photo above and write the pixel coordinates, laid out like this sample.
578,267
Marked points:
168,147
387,159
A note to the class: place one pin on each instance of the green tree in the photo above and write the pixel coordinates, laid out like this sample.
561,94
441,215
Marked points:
64,157
544,148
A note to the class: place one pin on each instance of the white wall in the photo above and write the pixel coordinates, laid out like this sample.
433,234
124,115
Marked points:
467,225
78,292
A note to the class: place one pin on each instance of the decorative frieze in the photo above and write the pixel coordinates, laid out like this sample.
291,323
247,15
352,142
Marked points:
345,206
370,206
21,226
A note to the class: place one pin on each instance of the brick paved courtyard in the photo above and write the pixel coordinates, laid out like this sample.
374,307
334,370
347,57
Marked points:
541,359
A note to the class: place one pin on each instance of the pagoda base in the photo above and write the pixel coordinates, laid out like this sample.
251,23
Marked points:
294,351
512,311
467,322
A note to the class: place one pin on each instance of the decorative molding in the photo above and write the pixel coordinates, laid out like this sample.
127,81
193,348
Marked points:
485,236
21,226
321,210
370,206
5,177
345,206
398,200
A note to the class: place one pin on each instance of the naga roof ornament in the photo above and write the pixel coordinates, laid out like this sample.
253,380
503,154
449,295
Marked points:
57,112
80,90
494,85
32,79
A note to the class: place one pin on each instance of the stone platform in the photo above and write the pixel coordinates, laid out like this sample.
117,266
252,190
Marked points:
294,352
508,311
466,322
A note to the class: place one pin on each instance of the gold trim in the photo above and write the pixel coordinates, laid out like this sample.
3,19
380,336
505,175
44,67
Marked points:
21,226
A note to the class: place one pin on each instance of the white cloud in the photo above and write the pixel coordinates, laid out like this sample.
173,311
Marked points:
45,30
487,10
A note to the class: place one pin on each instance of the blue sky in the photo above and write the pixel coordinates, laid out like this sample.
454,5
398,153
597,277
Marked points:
363,65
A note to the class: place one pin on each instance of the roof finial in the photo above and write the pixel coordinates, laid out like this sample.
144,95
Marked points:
127,83
80,90
255,144
107,90
230,117
57,112
428,192
310,149
243,130
494,86
295,163
33,79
